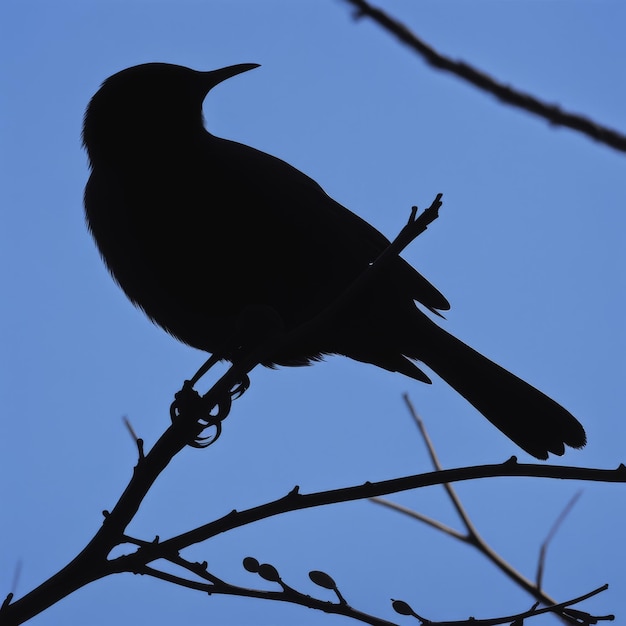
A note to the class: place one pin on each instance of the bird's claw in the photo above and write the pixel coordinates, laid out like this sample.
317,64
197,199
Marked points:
205,442
191,406
240,388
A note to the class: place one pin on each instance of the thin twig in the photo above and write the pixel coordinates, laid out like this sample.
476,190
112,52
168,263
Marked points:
429,521
544,546
215,586
581,618
550,112
287,594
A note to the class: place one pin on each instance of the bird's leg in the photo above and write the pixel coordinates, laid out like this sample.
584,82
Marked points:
254,325
208,364
190,406
258,330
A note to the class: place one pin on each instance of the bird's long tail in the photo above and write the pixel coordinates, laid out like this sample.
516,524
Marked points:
528,417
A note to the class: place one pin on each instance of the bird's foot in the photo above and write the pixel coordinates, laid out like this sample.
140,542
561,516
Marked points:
188,406
240,387
208,411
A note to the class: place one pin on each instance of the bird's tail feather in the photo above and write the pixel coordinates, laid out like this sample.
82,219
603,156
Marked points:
528,417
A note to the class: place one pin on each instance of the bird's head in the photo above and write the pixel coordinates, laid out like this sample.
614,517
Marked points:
147,106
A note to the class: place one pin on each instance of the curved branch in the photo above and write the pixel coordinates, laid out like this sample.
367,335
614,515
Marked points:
295,501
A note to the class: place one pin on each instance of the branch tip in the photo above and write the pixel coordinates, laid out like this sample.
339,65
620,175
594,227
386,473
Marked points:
7,600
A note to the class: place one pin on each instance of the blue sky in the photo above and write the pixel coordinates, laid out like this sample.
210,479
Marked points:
528,249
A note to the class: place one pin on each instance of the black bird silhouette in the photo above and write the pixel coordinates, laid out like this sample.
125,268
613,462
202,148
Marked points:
215,241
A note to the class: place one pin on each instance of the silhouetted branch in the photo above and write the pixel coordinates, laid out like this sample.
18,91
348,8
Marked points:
551,112
472,536
92,563
577,617
295,501
214,586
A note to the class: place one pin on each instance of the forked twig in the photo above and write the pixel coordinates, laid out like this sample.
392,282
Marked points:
471,535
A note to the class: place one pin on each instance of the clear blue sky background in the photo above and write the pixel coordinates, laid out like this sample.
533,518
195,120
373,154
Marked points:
529,250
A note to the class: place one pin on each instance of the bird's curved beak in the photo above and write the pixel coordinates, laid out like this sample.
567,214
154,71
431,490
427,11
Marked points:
215,77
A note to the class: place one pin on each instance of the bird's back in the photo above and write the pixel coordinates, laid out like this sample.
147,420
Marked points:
220,227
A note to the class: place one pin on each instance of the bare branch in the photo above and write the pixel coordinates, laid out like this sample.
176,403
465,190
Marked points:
472,536
550,112
92,563
578,617
215,586
429,521
295,501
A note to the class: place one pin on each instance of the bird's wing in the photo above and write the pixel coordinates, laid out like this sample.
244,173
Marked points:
300,205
